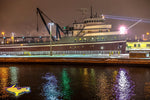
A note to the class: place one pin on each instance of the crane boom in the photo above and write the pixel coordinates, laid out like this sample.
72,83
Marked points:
58,28
40,13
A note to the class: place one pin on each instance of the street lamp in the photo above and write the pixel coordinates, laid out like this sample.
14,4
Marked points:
12,37
50,28
3,33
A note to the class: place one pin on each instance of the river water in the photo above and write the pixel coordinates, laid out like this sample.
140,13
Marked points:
75,82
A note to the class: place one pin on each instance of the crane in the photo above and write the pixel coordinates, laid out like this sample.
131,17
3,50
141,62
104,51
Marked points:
57,26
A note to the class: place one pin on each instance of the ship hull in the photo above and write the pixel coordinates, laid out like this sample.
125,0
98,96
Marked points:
113,47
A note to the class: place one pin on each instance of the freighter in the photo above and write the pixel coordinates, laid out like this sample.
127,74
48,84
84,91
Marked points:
91,36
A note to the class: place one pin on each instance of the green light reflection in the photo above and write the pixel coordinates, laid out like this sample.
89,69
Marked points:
66,90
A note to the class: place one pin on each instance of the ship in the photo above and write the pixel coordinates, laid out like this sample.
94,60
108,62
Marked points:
91,36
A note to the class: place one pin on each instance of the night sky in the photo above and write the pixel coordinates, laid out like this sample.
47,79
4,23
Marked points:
19,16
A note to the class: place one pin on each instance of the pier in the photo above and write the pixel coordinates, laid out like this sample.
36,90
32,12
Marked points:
78,59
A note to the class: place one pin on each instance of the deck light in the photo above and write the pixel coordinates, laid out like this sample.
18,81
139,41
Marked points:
147,33
123,30
65,27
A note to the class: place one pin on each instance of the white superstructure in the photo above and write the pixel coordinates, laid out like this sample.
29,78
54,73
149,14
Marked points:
93,27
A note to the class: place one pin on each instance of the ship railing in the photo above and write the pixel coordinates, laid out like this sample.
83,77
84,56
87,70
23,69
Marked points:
62,52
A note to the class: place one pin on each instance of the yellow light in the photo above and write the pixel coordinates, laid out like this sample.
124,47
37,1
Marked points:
12,37
3,33
147,33
103,17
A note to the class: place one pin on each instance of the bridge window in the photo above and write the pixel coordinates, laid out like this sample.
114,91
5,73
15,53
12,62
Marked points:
84,39
134,45
147,45
97,39
75,40
139,45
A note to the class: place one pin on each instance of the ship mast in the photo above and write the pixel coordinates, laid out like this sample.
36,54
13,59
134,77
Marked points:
91,12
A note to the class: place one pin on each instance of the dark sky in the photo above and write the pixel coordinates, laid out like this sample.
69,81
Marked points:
19,16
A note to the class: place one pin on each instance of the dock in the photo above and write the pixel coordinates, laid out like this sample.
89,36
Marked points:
82,59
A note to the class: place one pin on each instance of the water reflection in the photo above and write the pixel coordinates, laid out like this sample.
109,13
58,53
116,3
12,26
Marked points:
147,86
3,81
66,90
147,90
124,87
73,71
85,78
77,83
103,87
50,88
93,77
14,75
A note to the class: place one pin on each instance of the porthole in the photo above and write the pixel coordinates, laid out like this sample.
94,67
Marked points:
101,47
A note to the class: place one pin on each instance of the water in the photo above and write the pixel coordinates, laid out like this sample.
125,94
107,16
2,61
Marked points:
76,82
